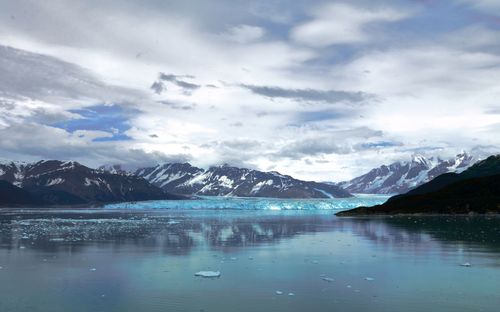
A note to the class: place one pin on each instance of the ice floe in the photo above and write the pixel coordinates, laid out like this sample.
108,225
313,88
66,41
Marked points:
208,274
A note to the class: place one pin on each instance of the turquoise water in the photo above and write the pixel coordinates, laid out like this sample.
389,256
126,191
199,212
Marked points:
239,203
145,260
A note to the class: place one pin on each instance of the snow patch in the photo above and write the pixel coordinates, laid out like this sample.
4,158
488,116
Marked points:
54,181
324,193
226,182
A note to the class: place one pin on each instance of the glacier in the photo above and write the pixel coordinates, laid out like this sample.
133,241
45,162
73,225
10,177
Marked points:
244,203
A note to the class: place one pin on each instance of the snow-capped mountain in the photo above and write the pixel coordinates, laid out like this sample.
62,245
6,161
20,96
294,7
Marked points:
56,182
232,181
402,176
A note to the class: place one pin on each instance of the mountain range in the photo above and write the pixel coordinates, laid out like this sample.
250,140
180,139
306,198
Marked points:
225,180
68,183
402,176
53,183
475,190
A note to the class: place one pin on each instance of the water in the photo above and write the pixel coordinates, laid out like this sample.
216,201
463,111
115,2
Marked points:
145,260
241,203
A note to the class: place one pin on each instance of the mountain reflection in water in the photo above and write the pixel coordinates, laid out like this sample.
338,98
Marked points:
115,261
178,232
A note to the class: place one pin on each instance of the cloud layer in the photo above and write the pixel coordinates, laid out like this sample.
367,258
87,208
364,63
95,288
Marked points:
319,90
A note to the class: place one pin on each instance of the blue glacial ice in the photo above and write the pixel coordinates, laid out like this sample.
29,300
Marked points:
238,203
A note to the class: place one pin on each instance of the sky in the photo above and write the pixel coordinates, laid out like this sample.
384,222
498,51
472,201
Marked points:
320,90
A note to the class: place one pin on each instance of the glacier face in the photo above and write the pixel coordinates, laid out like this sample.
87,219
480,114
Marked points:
269,204
400,177
226,180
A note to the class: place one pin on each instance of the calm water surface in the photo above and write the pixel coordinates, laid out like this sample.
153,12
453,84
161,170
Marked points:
145,261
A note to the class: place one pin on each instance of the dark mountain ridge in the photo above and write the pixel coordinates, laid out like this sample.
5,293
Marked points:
54,182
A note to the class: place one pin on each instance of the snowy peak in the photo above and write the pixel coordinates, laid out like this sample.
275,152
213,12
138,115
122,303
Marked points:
114,169
420,160
400,177
167,176
227,180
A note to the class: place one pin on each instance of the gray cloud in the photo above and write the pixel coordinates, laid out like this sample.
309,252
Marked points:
173,105
7,105
31,141
159,87
493,111
334,142
43,116
36,76
238,152
310,95
485,150
321,115
237,124
313,147
244,145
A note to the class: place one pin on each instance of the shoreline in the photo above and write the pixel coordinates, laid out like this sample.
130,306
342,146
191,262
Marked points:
338,214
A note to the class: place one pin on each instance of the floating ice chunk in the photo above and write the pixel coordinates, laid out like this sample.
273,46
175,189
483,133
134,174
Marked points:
291,294
22,247
279,292
250,258
349,286
466,264
327,279
56,239
207,274
369,278
92,269
172,222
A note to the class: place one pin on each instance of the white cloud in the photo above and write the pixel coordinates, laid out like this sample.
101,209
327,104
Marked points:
244,33
487,6
339,23
435,93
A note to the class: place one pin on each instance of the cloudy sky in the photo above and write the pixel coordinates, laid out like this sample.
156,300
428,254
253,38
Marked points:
321,90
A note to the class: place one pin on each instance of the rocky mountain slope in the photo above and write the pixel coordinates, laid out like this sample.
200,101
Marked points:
400,177
232,181
56,182
13,196
476,190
